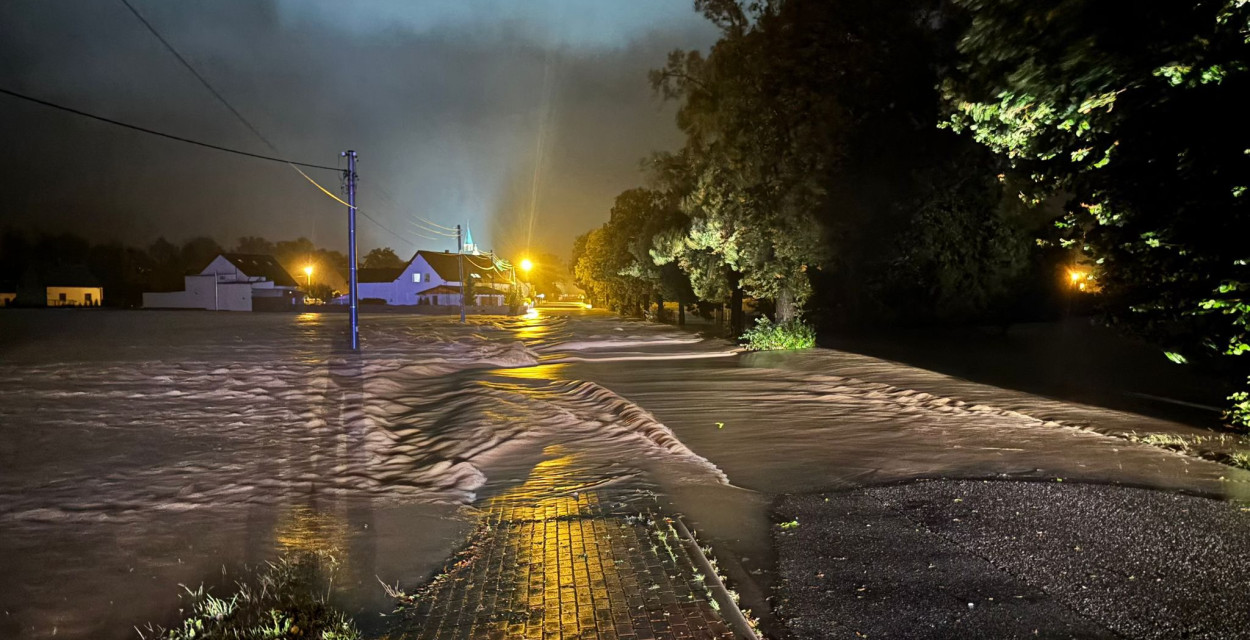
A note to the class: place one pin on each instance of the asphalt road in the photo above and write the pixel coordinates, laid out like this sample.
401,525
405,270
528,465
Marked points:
999,559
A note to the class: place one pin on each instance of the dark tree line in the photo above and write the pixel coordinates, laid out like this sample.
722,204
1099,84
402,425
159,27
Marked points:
951,160
126,272
815,177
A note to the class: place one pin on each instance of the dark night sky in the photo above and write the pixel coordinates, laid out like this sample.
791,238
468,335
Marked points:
445,100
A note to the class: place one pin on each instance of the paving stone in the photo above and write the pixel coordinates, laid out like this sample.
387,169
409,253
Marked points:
547,563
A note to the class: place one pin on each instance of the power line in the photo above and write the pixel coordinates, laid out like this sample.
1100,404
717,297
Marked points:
169,136
389,230
223,100
427,228
199,77
429,223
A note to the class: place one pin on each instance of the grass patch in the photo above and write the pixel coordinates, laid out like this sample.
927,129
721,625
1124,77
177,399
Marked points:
287,599
1240,459
782,336
1166,440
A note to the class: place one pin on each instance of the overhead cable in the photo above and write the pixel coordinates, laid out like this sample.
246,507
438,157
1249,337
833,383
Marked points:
432,227
170,136
204,81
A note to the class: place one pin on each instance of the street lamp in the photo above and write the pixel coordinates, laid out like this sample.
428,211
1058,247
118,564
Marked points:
1077,278
308,272
526,265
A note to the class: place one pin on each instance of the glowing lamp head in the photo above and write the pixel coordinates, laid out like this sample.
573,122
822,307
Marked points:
308,270
526,265
1076,276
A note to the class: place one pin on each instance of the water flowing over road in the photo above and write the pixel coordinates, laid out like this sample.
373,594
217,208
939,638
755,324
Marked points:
143,450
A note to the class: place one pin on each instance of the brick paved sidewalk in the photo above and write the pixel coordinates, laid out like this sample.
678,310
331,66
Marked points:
549,563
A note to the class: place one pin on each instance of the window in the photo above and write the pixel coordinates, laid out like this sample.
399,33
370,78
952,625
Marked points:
62,297
416,277
86,297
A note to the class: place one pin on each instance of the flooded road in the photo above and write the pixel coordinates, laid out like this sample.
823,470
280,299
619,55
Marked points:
143,450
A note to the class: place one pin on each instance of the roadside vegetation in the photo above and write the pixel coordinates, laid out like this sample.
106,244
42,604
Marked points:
1229,449
865,164
286,599
769,336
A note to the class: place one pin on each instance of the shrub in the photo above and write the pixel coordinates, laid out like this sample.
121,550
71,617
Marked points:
286,600
767,336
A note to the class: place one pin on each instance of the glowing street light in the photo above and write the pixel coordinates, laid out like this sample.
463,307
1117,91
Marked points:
526,265
308,272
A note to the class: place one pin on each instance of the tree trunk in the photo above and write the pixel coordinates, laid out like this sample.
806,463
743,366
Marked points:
659,307
786,309
681,312
737,319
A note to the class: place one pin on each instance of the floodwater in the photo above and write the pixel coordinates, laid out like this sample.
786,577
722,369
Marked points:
144,450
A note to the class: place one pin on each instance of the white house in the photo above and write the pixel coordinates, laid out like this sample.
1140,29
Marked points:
433,278
233,282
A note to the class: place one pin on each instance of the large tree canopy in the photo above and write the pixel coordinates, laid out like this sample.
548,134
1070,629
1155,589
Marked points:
1136,112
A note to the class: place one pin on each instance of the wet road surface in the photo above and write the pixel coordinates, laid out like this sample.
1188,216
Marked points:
143,450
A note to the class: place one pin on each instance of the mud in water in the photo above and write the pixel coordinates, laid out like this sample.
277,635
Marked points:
141,450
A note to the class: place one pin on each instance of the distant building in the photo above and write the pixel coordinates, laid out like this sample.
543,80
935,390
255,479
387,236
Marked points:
433,278
58,286
8,293
233,282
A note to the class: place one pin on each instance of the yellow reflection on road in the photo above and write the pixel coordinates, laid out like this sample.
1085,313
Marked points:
536,372
302,529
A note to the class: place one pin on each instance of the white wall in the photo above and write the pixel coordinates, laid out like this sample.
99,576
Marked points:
203,292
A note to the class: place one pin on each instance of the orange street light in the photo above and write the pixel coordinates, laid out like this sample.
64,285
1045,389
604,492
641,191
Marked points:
308,272
526,265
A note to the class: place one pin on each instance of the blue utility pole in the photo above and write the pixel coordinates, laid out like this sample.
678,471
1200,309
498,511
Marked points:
351,247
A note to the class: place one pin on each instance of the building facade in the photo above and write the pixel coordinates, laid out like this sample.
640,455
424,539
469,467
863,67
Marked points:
433,278
233,282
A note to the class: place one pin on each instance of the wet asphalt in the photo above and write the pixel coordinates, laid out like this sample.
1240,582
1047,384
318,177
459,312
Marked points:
1002,559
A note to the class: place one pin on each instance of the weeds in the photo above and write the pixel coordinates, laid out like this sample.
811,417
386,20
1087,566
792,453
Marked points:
287,599
1240,459
788,335
1166,440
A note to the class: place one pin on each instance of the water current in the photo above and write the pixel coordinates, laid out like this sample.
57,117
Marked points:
144,450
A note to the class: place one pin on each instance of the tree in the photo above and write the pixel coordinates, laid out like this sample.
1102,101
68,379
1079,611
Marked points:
197,252
255,244
381,258
754,180
962,252
1135,113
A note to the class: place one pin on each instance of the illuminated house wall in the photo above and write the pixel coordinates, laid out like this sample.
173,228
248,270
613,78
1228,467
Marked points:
433,278
75,296
60,285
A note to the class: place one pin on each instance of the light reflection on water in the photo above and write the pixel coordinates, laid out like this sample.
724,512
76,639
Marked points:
142,450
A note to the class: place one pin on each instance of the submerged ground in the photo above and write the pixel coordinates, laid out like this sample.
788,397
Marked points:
143,450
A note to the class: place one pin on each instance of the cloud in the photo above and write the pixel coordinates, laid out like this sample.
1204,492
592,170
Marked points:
453,109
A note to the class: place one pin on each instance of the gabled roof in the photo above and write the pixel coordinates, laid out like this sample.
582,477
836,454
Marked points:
389,274
255,265
448,264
